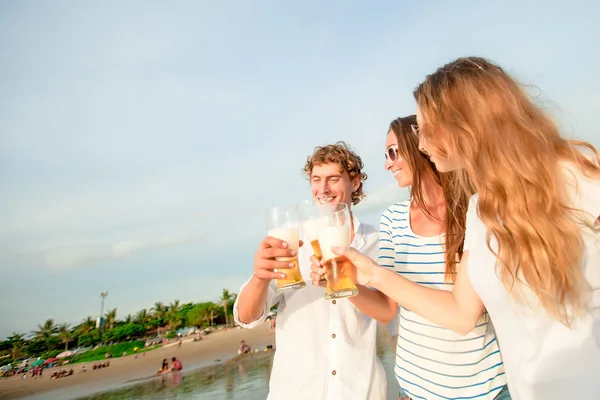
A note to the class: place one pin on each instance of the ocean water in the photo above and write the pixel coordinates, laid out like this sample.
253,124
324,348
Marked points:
247,379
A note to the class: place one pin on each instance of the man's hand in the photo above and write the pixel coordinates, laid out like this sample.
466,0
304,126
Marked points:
318,272
264,259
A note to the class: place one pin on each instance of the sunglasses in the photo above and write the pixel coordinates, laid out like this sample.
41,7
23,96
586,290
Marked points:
392,153
415,129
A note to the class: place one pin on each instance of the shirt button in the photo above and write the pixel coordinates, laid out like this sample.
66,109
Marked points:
333,301
333,372
333,335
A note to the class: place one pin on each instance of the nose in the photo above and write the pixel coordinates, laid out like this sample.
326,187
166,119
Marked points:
388,163
324,187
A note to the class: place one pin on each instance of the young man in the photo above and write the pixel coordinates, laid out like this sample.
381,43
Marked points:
176,365
325,348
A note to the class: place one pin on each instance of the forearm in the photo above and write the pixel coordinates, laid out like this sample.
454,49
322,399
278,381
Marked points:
252,300
375,304
437,306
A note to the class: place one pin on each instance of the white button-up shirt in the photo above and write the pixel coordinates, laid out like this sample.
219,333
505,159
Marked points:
325,348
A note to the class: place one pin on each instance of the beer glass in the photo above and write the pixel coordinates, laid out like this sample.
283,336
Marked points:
335,230
283,223
310,216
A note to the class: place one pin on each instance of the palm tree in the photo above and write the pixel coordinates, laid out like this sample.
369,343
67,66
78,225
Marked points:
17,342
174,306
128,319
174,320
45,331
111,318
158,312
225,299
65,335
142,317
84,328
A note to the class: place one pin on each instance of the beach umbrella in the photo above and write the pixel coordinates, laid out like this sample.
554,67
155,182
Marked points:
51,360
38,362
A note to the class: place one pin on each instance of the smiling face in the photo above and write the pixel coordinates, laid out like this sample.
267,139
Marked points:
332,183
395,162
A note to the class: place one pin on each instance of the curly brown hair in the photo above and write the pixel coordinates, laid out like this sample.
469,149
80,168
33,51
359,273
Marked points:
340,154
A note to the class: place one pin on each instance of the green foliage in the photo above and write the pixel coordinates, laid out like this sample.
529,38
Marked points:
50,339
36,347
51,353
124,332
46,330
200,315
90,338
116,350
171,335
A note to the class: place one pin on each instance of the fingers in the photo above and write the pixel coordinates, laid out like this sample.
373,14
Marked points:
266,274
266,267
272,252
271,247
350,253
317,280
317,272
270,241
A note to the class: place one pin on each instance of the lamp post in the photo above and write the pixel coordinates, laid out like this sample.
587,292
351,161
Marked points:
102,296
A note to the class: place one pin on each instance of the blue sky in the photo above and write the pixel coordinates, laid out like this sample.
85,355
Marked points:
141,141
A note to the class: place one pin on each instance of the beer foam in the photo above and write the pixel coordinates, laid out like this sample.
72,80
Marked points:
330,236
310,228
290,235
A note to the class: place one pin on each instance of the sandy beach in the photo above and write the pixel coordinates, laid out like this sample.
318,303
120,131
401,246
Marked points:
216,347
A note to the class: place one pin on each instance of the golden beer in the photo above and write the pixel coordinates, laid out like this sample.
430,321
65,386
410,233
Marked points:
283,224
319,255
317,249
293,279
335,231
341,274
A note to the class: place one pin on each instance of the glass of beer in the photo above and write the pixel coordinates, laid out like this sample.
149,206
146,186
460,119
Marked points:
335,230
283,223
310,215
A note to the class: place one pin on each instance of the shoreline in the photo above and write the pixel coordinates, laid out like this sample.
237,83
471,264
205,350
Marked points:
217,348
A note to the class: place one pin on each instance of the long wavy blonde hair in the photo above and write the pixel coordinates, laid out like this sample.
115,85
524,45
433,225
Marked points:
515,156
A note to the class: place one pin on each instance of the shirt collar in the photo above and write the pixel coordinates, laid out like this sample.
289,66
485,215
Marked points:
359,240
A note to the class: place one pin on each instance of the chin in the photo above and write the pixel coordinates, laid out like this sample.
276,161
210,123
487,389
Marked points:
403,183
443,167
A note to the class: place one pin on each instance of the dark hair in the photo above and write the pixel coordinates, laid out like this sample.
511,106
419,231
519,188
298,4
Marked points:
339,153
457,201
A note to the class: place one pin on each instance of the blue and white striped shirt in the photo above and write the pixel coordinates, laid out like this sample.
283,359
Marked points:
434,362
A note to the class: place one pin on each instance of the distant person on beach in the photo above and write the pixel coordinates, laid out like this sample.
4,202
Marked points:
176,365
164,367
244,348
325,348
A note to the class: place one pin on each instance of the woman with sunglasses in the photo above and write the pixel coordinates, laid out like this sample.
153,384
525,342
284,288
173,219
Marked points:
531,253
418,242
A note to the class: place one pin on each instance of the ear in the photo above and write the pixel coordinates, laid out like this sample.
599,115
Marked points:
355,183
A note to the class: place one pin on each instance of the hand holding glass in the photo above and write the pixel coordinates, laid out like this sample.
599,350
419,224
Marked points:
311,217
283,223
335,230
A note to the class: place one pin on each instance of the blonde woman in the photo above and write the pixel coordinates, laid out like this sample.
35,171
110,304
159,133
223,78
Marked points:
531,253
